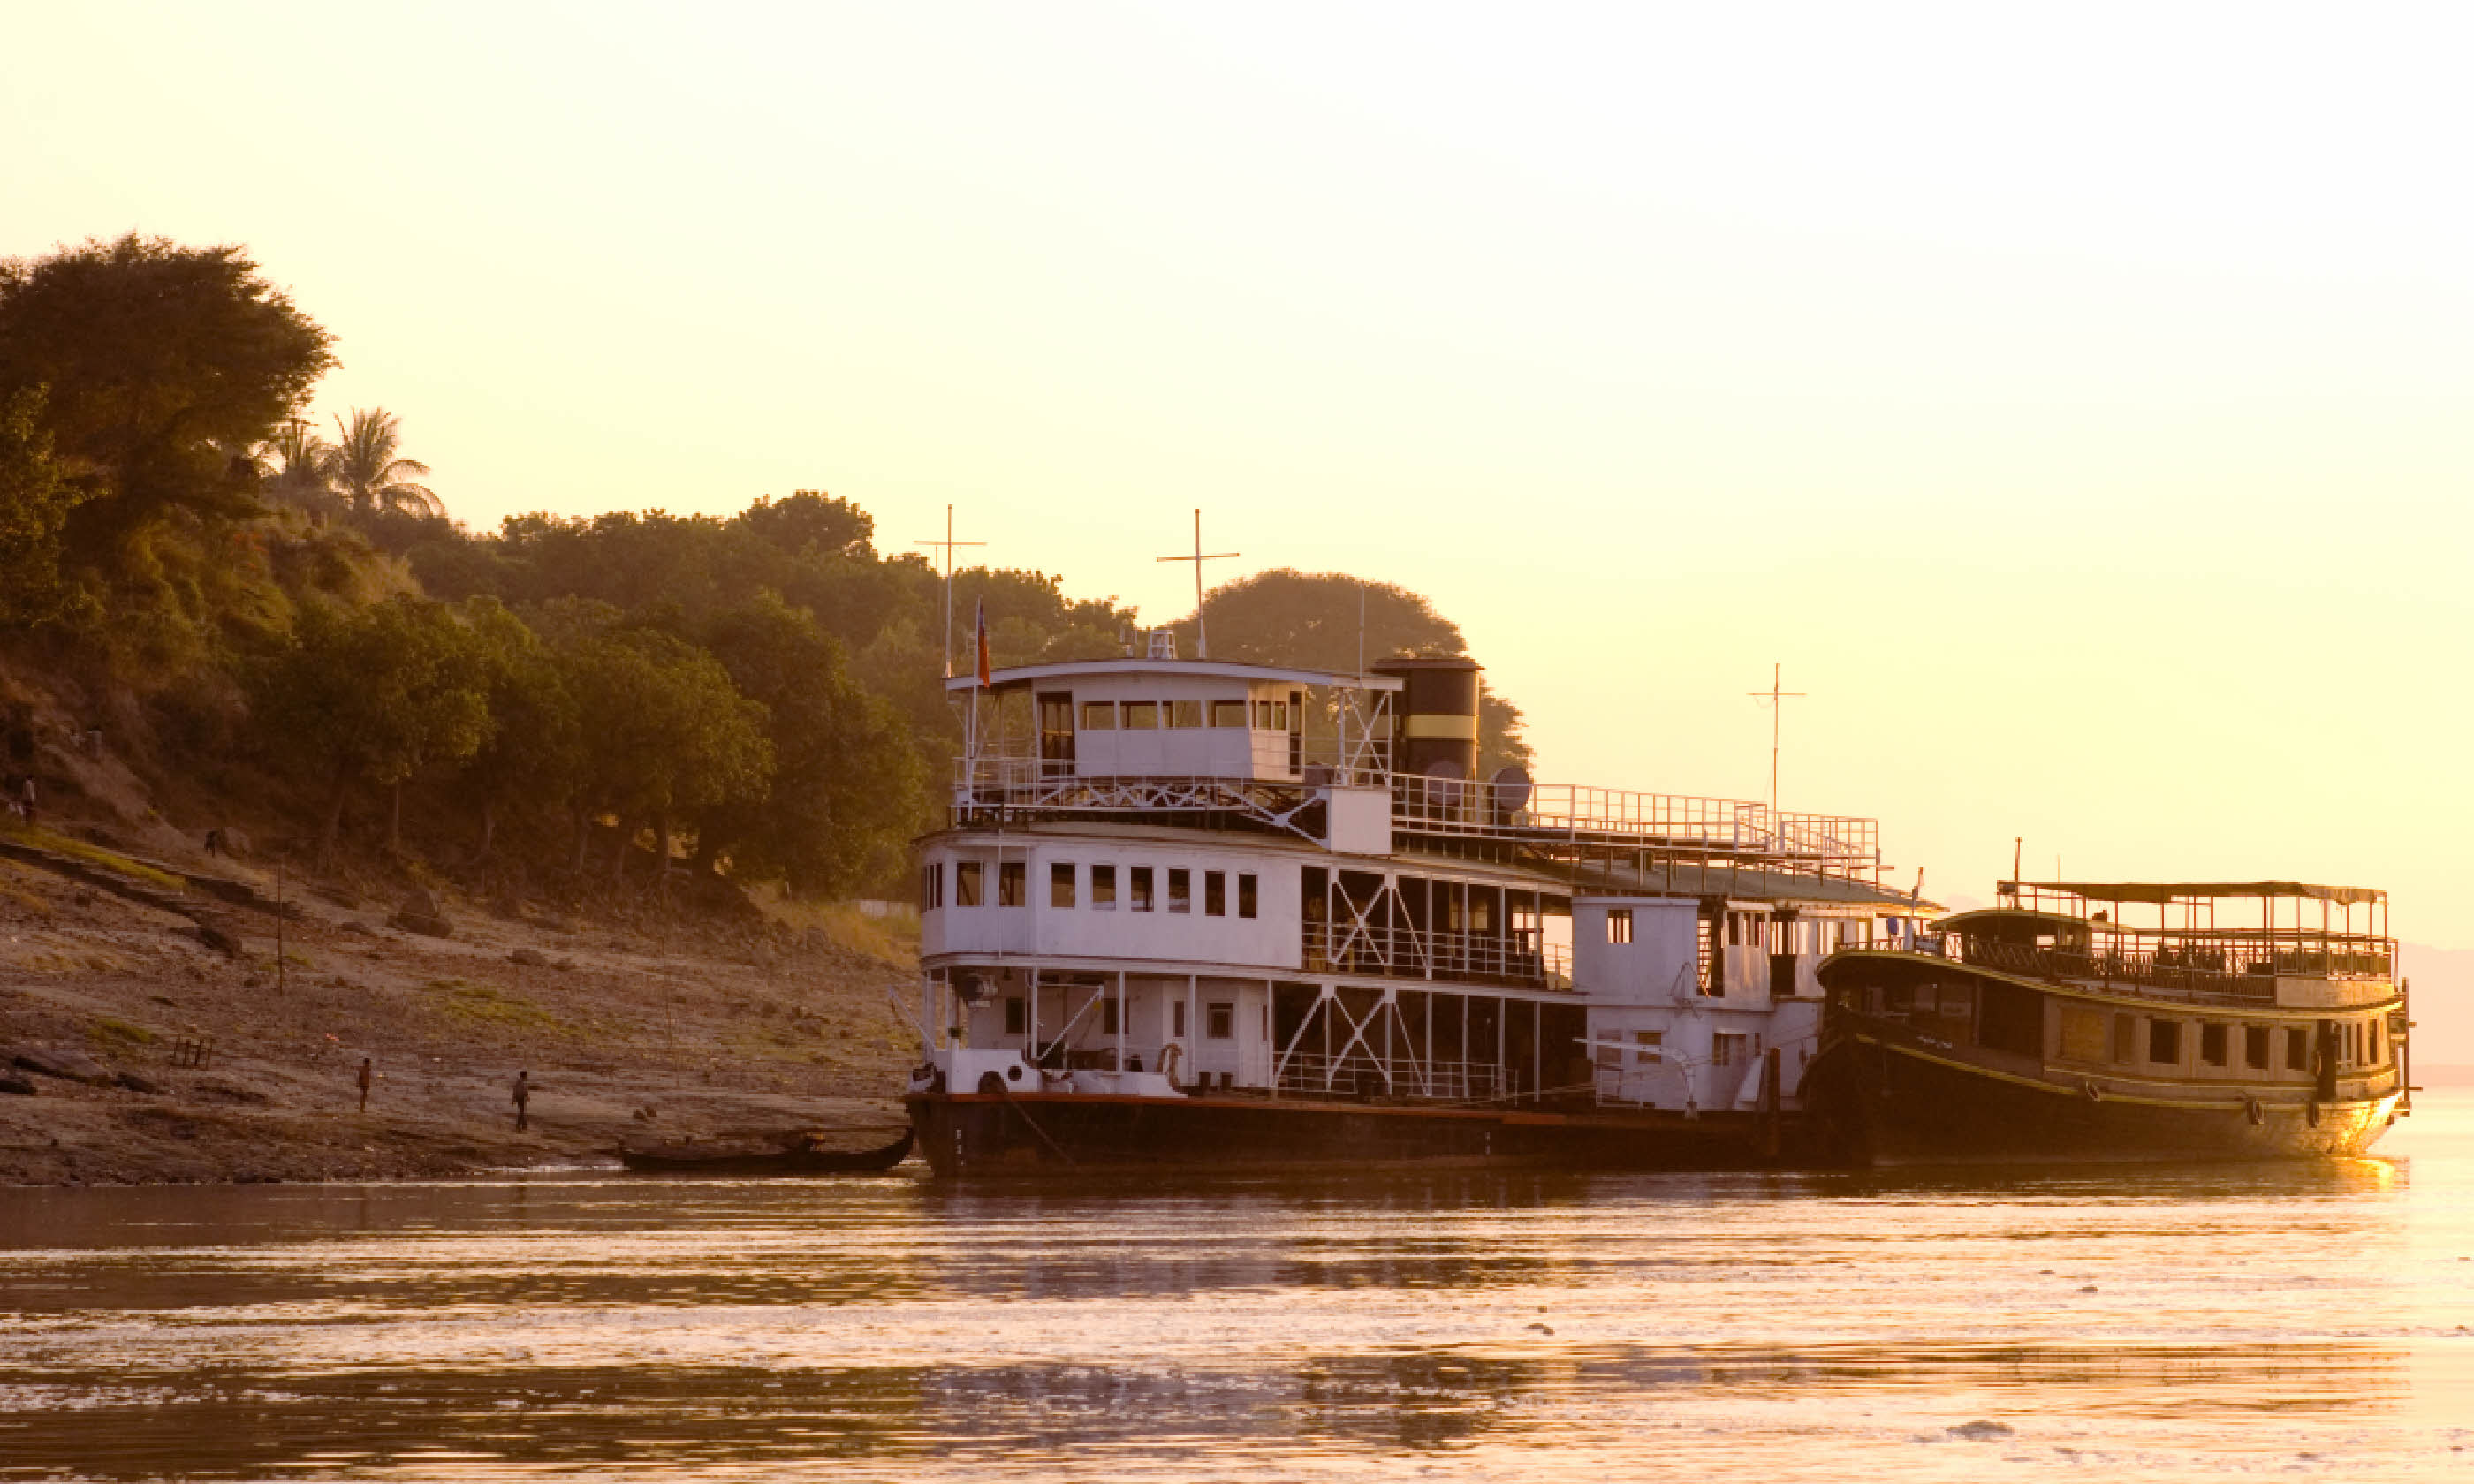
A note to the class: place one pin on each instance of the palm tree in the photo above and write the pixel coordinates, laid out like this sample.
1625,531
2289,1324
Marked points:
306,472
368,474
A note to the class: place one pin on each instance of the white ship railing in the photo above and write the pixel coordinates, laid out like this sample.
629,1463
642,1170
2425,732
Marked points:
1583,814
1367,1074
1433,954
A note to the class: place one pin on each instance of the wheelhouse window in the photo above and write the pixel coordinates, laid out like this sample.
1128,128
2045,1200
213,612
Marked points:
1620,924
1061,883
1103,888
1099,716
1263,716
1185,713
932,886
1142,716
968,888
2165,1043
1215,893
1220,1021
1013,885
1245,894
1726,1049
1228,713
1180,889
1138,888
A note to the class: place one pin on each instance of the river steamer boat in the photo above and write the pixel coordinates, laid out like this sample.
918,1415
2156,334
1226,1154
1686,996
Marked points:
1197,914
2120,1019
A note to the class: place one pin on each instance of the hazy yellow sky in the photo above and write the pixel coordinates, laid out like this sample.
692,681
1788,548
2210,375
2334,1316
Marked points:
2077,405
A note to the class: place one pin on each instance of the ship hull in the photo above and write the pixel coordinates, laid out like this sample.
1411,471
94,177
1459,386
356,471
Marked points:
998,1135
1880,1103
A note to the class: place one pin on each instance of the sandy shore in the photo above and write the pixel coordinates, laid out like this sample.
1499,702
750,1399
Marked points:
643,1036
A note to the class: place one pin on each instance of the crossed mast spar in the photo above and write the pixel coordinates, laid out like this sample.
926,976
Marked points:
1202,643
946,550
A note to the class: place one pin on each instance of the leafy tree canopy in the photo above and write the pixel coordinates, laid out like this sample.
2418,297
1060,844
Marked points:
157,357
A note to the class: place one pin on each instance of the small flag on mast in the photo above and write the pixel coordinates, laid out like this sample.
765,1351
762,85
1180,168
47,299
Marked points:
983,613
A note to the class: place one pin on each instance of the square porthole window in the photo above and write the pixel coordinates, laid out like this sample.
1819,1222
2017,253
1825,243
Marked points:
1061,883
1180,889
2165,1043
969,883
1220,1021
2255,1047
1620,924
1215,893
1014,884
1138,888
2214,1049
1245,897
1099,716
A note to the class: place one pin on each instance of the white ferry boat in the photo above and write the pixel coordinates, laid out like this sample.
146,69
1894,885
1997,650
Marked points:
1193,914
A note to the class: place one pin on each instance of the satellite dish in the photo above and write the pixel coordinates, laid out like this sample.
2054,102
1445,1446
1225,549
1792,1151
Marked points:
1510,786
1443,780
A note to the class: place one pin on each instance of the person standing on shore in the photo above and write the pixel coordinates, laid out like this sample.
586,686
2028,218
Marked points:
522,1098
365,1084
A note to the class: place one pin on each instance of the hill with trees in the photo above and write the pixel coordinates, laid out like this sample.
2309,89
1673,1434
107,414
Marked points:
271,627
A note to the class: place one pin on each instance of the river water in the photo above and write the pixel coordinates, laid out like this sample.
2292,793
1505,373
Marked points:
2083,1322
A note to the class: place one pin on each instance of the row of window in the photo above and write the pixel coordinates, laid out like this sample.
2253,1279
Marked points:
1069,883
1219,1019
1807,935
1154,715
2358,1043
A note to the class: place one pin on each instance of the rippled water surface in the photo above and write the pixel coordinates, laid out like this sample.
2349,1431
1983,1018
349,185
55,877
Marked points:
2086,1323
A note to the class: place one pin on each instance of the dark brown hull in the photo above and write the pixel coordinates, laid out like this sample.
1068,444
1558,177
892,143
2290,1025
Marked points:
1877,1102
988,1133
793,1162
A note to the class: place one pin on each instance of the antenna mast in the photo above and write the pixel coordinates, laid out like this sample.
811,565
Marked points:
1202,640
1774,696
946,550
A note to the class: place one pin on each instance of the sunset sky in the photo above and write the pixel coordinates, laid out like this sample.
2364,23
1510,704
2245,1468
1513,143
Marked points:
2078,406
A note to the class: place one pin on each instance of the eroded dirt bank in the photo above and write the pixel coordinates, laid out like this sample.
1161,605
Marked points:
642,1036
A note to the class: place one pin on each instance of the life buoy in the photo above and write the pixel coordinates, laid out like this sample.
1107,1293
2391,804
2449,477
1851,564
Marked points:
2253,1112
1172,1056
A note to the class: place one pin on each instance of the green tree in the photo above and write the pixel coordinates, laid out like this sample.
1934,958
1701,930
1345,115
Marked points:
154,354
534,756
373,697
304,467
1333,621
665,735
368,470
849,785
36,497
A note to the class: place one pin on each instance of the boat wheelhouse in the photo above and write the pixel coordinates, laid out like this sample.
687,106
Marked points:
1195,912
2125,1019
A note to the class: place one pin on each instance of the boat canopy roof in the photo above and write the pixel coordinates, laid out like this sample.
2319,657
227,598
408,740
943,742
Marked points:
1204,669
1978,916
2159,893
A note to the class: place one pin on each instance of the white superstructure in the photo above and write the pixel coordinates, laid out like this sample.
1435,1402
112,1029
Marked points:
1164,878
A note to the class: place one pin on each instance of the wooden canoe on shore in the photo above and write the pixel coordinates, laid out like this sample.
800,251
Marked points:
780,1163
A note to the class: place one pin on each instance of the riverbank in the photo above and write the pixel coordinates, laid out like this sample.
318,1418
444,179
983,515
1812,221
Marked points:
143,1040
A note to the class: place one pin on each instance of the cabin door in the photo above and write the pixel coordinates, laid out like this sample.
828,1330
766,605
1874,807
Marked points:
1056,734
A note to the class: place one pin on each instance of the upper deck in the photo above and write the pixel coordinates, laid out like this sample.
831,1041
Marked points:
1365,764
2287,943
